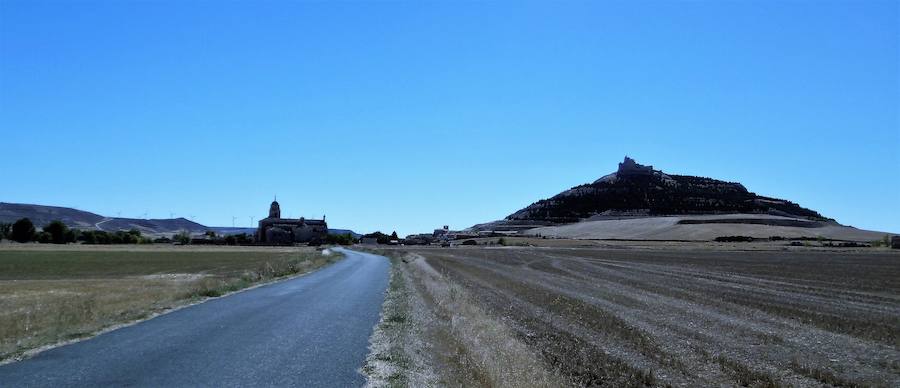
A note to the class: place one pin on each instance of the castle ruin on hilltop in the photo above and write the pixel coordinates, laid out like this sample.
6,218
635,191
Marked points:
630,167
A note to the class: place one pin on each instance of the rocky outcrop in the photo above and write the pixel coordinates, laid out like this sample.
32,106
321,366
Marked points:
635,188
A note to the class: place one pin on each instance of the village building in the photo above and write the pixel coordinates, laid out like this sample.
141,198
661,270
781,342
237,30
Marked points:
285,231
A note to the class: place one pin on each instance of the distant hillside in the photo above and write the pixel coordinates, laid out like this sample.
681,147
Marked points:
152,226
41,215
637,190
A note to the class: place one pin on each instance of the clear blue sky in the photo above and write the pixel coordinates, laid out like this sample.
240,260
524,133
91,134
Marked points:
410,115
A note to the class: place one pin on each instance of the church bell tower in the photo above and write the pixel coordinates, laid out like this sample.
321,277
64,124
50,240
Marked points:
275,210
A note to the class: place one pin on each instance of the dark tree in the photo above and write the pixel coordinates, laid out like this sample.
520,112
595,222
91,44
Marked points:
394,236
23,230
58,231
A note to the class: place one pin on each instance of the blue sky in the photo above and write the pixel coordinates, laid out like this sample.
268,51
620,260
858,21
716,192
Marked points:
409,115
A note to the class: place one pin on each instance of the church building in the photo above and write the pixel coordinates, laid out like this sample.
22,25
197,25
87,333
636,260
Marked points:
285,231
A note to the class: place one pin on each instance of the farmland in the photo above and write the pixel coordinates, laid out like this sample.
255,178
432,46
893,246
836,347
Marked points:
628,316
50,294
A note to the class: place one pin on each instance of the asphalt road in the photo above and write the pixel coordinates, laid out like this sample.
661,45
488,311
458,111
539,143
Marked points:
308,331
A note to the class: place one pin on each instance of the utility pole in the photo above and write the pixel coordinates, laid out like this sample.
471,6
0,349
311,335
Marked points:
232,220
251,221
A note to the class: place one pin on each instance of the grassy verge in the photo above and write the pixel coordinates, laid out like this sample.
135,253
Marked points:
388,363
433,333
48,296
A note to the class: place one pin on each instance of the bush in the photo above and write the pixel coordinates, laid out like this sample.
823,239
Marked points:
183,238
470,242
5,230
44,237
71,235
23,230
502,241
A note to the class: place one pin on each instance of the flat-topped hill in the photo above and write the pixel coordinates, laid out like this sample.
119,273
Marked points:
640,190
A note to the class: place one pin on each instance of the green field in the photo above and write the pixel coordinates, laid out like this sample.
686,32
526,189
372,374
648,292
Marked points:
53,294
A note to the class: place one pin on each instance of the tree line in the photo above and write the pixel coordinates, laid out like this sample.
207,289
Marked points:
56,232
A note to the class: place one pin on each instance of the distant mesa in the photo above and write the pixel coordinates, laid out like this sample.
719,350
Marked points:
636,189
640,202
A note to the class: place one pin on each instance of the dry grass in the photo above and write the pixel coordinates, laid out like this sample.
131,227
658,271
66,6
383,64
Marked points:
468,346
51,295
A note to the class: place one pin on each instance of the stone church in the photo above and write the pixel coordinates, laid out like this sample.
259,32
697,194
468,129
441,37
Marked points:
283,231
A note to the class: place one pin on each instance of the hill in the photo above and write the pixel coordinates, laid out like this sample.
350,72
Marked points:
638,190
641,203
42,215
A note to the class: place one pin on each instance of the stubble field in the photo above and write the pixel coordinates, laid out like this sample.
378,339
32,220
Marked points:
657,317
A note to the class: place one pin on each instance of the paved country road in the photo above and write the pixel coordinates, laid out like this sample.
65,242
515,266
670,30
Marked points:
309,331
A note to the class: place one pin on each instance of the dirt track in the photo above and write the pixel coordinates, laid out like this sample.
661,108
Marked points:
693,318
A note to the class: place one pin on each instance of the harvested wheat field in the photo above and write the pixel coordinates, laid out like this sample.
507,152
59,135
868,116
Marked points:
629,317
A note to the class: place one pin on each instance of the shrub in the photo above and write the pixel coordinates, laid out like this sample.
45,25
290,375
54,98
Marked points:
44,237
502,241
470,242
182,237
5,230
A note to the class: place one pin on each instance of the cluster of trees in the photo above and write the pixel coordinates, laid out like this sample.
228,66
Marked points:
238,239
383,238
101,237
56,232
340,239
